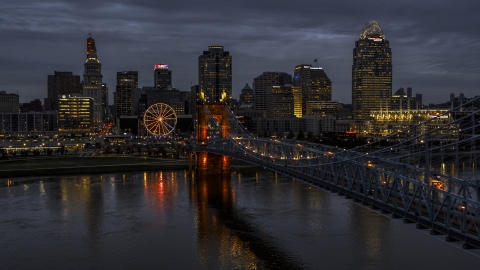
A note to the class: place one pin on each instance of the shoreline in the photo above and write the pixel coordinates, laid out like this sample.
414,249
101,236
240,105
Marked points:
91,165
85,165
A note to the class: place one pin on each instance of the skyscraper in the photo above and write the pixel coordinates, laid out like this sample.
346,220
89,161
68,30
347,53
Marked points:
246,96
264,82
280,101
127,82
371,72
92,82
163,77
215,75
314,85
61,83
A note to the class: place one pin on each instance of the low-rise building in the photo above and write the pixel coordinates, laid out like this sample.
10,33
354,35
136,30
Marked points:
34,123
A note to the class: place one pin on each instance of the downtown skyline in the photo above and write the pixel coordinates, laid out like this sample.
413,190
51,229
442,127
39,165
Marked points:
432,44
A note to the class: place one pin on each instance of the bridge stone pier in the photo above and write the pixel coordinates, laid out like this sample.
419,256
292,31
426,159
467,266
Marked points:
209,163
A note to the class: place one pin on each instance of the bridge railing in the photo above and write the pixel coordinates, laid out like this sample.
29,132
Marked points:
397,187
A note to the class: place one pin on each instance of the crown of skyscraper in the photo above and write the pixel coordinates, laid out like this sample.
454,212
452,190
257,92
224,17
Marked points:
372,30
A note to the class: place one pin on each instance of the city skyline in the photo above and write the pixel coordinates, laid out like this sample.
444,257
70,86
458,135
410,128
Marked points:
431,53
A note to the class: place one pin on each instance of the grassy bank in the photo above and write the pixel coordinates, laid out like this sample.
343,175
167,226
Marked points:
45,166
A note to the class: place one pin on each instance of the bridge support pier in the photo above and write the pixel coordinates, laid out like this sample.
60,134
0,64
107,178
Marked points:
212,164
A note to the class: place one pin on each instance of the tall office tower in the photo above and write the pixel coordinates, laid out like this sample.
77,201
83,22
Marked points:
246,96
163,77
280,101
104,101
314,85
61,83
371,72
92,82
215,75
127,82
263,82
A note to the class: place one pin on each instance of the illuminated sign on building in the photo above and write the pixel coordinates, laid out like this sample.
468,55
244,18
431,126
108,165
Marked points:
375,38
160,66
436,115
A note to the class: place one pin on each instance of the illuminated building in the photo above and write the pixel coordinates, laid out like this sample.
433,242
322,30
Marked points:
262,83
383,123
279,101
9,103
92,82
61,83
75,114
313,84
371,72
163,77
297,101
215,75
178,107
127,82
322,108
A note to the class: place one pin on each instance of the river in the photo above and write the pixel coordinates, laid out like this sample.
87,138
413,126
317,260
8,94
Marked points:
251,219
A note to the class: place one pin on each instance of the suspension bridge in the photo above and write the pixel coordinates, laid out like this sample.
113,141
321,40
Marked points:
425,177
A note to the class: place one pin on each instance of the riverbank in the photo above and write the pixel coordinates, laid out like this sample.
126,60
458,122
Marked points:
66,165
62,165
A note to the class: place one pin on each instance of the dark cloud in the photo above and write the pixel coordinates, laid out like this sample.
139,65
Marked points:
435,44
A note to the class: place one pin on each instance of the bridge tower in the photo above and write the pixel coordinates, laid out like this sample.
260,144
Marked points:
207,163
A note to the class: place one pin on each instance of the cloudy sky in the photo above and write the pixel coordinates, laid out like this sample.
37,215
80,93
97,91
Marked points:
435,43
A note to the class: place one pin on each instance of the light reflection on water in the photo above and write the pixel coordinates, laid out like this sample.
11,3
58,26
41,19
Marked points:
253,219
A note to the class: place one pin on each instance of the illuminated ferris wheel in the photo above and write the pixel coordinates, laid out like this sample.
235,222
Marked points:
160,119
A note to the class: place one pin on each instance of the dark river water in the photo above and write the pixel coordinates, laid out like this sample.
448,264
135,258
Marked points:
252,219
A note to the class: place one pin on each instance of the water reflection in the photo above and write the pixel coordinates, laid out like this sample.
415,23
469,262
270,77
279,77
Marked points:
253,219
371,235
225,234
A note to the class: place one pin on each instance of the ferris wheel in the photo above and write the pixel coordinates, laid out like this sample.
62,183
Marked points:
160,119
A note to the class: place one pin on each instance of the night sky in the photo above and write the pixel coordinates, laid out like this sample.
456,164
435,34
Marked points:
435,44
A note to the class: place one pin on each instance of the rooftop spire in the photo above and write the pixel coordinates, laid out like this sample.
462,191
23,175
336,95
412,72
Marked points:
91,48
